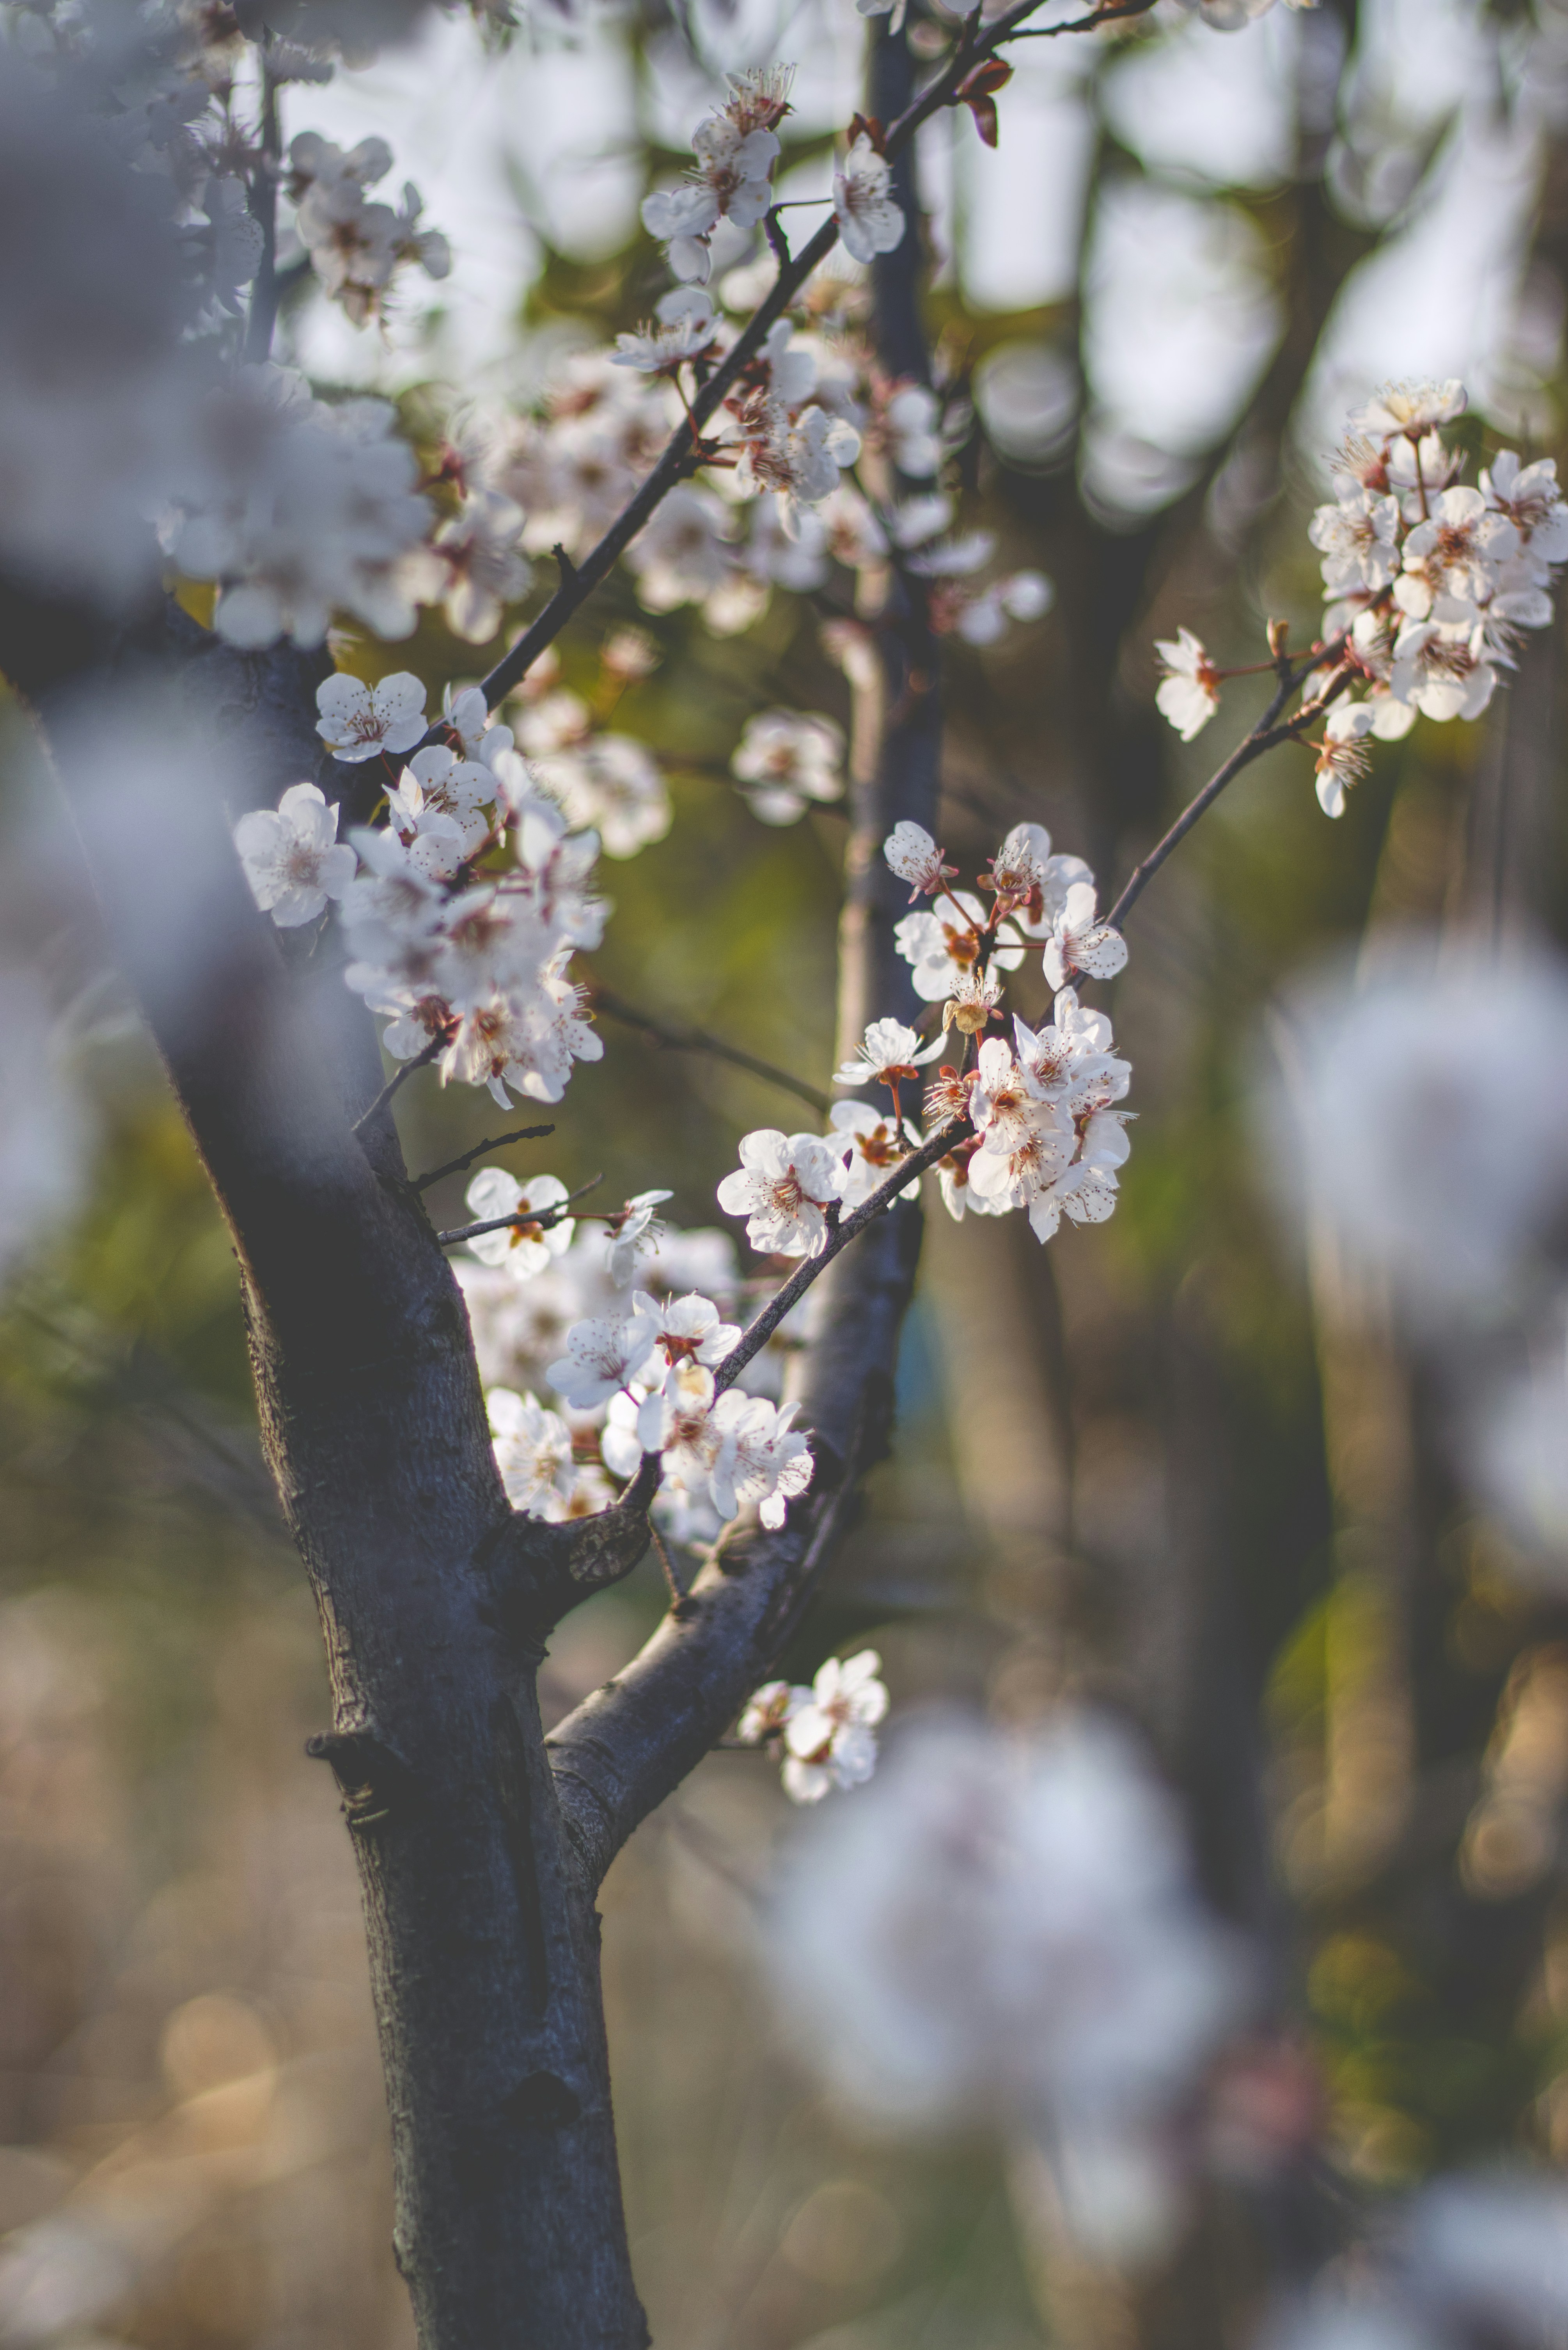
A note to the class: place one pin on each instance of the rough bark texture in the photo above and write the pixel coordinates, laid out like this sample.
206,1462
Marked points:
484,1942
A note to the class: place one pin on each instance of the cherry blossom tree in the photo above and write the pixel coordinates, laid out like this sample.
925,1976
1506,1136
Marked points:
312,855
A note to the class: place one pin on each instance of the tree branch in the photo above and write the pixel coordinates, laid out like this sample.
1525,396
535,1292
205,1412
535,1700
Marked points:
699,1040
466,1158
1265,735
536,1219
421,1060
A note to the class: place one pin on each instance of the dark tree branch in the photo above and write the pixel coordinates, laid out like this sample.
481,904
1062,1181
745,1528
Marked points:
466,1158
421,1060
699,1040
537,1219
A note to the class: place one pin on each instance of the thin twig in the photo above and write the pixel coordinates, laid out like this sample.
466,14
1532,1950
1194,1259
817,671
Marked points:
677,1588
538,1219
1263,737
697,1040
419,1061
758,1332
491,1142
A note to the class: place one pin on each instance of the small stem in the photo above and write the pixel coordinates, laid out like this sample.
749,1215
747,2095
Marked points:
1263,737
497,1142
419,1061
541,1219
677,1588
697,1040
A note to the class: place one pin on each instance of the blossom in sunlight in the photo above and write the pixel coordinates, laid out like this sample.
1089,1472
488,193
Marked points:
915,857
600,1357
1442,669
735,150
943,945
633,1232
1002,1930
360,722
973,1000
686,1329
1453,561
1080,941
761,1459
533,1450
1357,537
1530,499
1421,1117
830,1735
1342,760
1030,884
787,759
1409,409
1188,694
1021,1164
784,1185
869,220
293,858
888,1050
524,1248
874,1145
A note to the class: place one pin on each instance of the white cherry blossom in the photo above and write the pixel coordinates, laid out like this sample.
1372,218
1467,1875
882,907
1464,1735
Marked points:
533,1450
887,1050
524,1248
784,1185
1442,669
943,945
633,1232
686,1329
916,859
293,858
876,1144
1080,941
1022,1168
869,219
1341,759
359,722
1357,538
830,1738
1530,497
1188,694
601,1356
1450,561
761,1458
1409,409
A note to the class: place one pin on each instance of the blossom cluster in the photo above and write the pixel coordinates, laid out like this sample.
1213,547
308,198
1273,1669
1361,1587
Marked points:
355,246
1042,1133
463,910
1431,584
826,1733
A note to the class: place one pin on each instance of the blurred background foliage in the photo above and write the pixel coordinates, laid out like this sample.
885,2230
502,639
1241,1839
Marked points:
1162,1459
